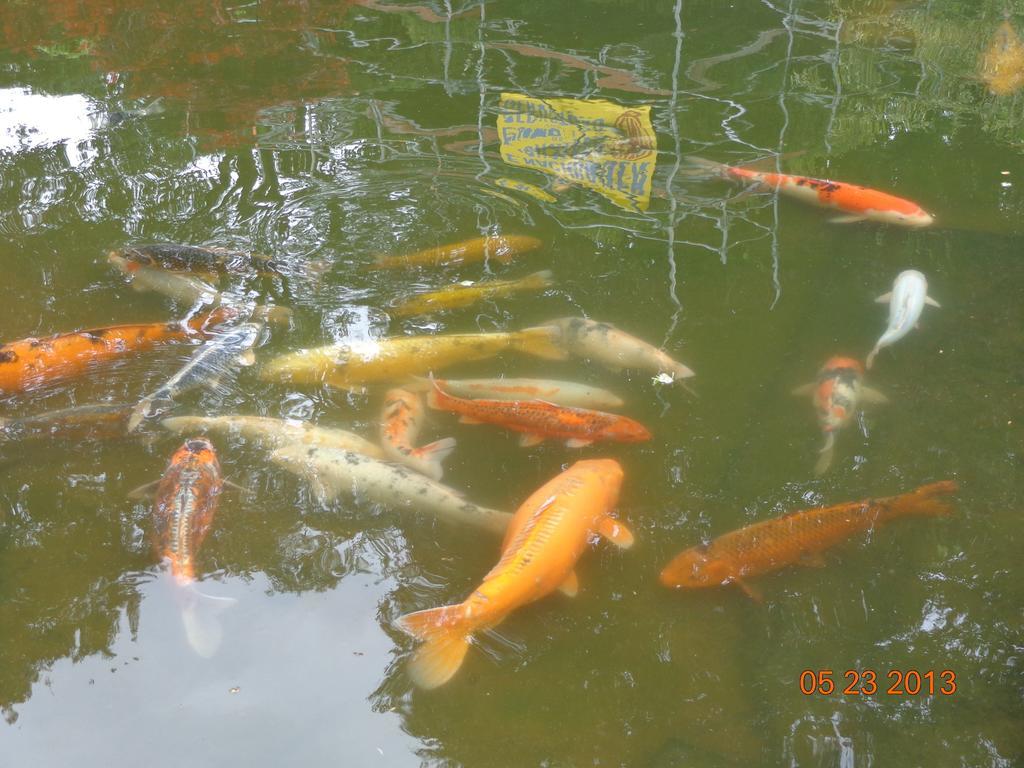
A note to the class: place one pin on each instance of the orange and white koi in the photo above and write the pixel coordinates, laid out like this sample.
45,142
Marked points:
502,248
403,417
853,202
796,537
539,420
32,362
546,538
837,393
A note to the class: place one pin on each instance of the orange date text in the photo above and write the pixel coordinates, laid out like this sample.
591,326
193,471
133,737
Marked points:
868,682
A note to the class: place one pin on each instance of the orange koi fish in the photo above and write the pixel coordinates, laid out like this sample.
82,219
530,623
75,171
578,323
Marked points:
853,202
794,538
403,416
837,394
29,363
186,500
539,420
504,248
546,537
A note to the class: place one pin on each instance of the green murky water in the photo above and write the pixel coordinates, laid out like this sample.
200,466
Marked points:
329,132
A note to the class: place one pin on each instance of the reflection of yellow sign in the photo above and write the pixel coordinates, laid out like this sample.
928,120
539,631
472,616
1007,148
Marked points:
593,143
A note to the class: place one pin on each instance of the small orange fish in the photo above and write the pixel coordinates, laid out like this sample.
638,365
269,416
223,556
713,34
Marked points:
545,539
795,537
854,203
837,393
403,416
539,420
500,247
186,500
29,363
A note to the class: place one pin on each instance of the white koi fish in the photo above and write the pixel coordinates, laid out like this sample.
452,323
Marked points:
906,300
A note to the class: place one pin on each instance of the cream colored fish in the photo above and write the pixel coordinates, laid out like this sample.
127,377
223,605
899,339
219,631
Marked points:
332,471
616,349
567,393
466,294
274,433
188,289
350,365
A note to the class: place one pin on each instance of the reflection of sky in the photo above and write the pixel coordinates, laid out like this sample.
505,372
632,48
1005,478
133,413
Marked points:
30,120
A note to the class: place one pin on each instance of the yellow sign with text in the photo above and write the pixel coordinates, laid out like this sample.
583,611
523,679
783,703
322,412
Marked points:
594,143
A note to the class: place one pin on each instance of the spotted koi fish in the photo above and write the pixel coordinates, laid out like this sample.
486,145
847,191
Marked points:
546,538
797,537
210,260
32,362
539,420
854,203
403,417
500,247
837,394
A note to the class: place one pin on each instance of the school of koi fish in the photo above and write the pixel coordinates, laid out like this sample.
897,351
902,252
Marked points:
551,529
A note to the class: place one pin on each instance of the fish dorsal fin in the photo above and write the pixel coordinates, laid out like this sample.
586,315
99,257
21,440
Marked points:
885,298
144,491
240,488
467,419
571,586
617,533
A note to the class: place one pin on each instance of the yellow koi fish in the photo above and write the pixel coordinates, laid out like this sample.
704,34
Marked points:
468,293
501,247
350,365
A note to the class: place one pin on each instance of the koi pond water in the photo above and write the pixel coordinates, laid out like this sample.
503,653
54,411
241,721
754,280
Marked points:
760,263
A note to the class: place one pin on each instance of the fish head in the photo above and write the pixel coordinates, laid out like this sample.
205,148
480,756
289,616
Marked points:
915,217
197,453
608,471
694,568
629,431
182,569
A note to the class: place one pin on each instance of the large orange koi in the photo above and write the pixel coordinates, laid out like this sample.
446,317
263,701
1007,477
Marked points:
29,363
794,538
539,420
546,537
854,203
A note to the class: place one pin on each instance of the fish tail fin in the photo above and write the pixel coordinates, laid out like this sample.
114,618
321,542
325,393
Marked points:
541,341
200,617
826,454
433,454
446,633
930,500
140,413
871,358
699,167
543,279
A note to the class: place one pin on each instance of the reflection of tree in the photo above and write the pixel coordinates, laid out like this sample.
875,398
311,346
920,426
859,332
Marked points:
224,64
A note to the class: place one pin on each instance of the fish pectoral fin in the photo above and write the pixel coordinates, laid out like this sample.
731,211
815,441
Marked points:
850,218
144,491
805,389
528,440
617,533
571,586
932,302
469,420
577,442
752,592
247,358
813,560
885,298
240,488
872,396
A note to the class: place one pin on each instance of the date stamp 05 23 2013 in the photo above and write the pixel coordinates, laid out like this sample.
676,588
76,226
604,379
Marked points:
866,682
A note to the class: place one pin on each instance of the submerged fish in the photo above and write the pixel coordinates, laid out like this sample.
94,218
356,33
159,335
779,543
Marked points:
547,536
204,369
190,290
83,422
906,302
796,537
274,433
501,247
837,393
853,202
32,362
463,295
1002,65
196,258
569,393
332,471
616,349
349,365
403,416
186,500
539,420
